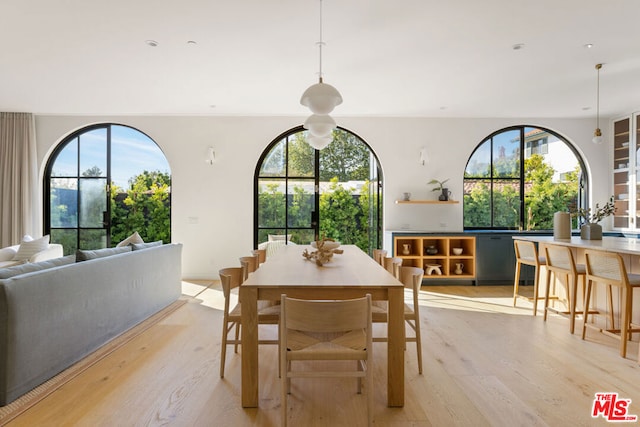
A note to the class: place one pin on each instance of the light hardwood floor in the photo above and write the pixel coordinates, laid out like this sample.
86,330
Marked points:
485,363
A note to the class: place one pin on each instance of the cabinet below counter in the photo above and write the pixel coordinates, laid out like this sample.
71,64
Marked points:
489,256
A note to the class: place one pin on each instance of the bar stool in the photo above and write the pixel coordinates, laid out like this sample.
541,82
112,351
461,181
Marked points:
608,268
560,262
527,254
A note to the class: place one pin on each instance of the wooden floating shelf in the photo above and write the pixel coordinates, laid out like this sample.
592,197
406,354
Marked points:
425,202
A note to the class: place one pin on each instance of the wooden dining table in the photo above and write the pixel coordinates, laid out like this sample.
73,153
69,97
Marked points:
351,274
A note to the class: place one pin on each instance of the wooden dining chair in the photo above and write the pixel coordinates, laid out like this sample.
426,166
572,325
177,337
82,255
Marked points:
326,331
379,255
249,265
608,268
561,264
231,278
527,254
262,255
392,265
411,278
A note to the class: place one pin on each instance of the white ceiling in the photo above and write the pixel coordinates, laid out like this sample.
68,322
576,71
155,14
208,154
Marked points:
416,58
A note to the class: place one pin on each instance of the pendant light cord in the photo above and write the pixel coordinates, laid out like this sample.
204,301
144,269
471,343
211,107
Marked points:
598,66
320,44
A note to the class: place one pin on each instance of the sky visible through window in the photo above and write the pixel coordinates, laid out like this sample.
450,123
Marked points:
132,152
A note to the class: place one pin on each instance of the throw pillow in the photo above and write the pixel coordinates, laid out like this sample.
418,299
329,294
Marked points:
29,248
279,237
134,238
138,246
16,270
7,254
85,255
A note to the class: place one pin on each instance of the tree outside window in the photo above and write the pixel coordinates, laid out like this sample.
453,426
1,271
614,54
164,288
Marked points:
519,177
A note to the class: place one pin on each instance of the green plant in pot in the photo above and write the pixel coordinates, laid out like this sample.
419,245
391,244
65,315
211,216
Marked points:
590,229
445,193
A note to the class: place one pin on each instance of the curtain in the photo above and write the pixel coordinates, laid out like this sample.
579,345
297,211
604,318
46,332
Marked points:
18,178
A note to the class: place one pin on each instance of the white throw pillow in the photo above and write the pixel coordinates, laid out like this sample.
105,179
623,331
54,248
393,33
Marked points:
7,254
28,249
133,239
279,237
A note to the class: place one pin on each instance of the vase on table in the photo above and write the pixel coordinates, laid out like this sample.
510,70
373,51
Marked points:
591,231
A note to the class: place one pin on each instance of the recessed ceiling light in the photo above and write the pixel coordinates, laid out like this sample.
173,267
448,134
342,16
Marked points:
586,108
151,43
588,45
192,42
518,46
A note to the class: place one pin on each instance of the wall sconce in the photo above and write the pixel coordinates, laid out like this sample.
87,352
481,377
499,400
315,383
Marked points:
424,158
211,156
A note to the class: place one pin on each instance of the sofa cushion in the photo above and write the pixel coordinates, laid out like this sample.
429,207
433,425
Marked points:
16,270
134,238
7,254
29,248
138,246
85,255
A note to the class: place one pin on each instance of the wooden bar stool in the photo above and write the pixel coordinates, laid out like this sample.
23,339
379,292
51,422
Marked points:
560,262
527,254
608,268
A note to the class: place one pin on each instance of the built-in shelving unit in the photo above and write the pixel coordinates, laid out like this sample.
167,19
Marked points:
418,251
626,143
424,202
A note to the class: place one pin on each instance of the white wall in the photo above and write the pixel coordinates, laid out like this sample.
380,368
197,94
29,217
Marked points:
212,205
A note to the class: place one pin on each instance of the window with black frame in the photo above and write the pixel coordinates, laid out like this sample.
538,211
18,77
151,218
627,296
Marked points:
302,194
518,177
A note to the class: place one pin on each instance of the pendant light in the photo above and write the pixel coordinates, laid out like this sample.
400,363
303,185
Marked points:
597,135
319,142
319,125
321,98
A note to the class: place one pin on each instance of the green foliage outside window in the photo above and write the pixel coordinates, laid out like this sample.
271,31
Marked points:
144,207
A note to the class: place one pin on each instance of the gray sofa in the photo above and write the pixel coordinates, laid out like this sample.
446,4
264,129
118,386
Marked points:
52,318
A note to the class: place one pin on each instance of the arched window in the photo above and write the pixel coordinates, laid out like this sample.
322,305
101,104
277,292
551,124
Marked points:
518,177
302,194
104,182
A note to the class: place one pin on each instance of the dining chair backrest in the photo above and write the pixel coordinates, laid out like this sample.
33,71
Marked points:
249,264
326,316
262,255
230,278
392,265
379,255
411,277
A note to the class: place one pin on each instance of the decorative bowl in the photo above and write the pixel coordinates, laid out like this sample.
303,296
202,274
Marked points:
456,251
327,245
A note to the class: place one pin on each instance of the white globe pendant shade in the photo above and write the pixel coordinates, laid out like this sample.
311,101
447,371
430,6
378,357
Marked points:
319,142
321,98
319,125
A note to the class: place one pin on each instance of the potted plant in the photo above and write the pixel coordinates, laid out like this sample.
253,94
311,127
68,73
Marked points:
590,229
445,193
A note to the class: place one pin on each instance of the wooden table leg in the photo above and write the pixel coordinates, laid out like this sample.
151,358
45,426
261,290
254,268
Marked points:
395,348
249,298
